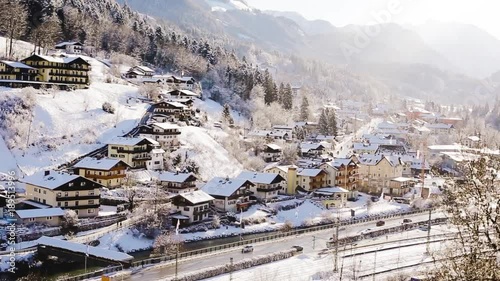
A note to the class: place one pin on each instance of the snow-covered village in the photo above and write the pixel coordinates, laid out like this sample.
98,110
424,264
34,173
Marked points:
139,143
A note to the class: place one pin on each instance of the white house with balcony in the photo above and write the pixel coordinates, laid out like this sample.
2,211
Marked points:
193,206
266,185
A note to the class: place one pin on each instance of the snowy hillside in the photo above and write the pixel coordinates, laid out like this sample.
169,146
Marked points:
20,49
227,5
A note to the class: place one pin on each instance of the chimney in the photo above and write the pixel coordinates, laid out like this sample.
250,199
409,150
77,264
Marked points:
46,173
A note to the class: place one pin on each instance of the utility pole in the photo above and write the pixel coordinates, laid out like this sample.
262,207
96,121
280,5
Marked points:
428,251
335,266
176,260
231,270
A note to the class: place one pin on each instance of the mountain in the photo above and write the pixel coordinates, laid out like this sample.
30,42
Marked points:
311,27
474,51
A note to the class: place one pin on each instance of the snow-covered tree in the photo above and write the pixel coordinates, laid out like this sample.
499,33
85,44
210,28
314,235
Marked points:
13,22
226,115
167,244
323,125
304,109
290,154
332,123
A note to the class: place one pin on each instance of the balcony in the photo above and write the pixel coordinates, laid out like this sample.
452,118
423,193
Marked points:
164,133
180,186
142,150
270,189
69,75
73,198
94,206
105,177
141,158
200,212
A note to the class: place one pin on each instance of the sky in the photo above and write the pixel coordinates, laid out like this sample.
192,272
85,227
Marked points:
482,13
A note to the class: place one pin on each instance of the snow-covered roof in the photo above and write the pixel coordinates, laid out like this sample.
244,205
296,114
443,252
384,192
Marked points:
402,179
53,180
84,249
461,156
223,187
130,141
143,68
374,159
64,44
438,126
16,64
166,126
309,172
189,93
473,138
39,213
363,146
176,104
306,147
273,146
158,151
35,204
104,164
175,177
196,197
330,190
58,59
450,147
282,127
262,178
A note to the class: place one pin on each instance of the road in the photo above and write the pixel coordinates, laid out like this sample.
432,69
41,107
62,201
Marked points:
343,149
273,246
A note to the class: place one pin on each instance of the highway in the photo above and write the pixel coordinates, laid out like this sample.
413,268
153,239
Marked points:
273,246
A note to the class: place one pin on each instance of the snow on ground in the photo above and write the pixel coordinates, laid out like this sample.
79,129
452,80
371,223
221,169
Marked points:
8,163
105,210
214,111
223,6
5,260
124,240
213,159
20,49
75,122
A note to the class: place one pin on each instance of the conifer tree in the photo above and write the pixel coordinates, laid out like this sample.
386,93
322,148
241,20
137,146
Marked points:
323,123
226,115
287,98
304,109
332,123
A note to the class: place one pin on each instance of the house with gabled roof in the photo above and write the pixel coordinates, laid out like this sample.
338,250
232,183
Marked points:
48,216
171,108
137,152
106,171
311,149
300,179
177,182
70,47
12,70
229,195
183,82
266,185
62,71
376,171
167,134
343,172
272,153
63,190
332,197
192,207
140,72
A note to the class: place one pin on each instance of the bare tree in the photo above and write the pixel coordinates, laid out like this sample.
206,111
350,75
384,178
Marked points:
290,154
129,189
473,205
166,244
13,21
46,34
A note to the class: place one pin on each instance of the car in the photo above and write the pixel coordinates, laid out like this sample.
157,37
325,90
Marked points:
407,220
380,223
299,248
247,249
374,199
366,231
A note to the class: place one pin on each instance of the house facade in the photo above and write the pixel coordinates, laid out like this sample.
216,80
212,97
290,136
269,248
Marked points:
299,179
175,109
70,47
266,185
107,172
62,190
376,171
139,72
10,70
177,182
137,152
272,153
344,173
62,71
47,216
230,195
194,206
182,83
332,197
166,134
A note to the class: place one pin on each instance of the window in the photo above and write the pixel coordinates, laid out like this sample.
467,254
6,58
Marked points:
76,203
36,189
49,218
45,192
59,194
77,193
91,202
58,204
91,211
44,201
70,184
65,204
66,194
83,184
186,209
91,192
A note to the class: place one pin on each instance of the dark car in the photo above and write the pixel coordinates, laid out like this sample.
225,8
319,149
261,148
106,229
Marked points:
299,248
374,198
406,220
380,223
247,249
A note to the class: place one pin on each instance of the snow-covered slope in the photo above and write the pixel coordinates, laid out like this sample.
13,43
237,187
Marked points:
8,163
20,49
225,5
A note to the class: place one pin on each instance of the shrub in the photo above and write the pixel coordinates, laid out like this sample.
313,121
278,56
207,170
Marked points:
108,107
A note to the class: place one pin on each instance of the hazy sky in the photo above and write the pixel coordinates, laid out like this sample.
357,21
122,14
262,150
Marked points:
482,13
